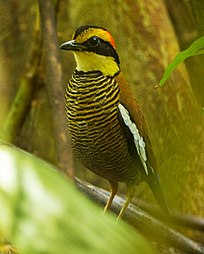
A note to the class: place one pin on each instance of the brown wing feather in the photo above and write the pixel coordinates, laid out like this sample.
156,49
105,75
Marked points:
128,100
130,103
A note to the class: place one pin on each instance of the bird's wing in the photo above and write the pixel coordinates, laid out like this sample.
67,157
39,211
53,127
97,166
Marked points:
137,130
130,104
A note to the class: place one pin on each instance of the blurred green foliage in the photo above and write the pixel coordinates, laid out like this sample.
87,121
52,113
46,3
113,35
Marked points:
42,212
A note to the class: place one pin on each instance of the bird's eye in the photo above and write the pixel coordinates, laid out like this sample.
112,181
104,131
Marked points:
94,41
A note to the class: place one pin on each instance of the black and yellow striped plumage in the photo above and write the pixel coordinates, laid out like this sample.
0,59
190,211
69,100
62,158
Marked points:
95,128
107,129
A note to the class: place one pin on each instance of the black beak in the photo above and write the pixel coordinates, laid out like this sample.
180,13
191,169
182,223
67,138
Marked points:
72,45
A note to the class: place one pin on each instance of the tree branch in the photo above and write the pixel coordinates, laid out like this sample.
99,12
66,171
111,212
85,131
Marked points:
23,96
151,227
54,85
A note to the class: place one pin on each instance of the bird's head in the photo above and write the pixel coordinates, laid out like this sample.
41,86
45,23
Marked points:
94,50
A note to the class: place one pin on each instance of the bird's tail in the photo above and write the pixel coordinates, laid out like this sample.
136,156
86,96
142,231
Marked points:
155,186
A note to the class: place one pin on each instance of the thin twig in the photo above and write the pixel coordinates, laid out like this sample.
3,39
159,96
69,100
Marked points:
190,221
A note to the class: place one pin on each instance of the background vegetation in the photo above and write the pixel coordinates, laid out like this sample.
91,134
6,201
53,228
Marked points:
148,35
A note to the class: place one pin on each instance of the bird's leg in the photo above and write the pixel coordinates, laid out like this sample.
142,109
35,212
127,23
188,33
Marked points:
114,189
129,197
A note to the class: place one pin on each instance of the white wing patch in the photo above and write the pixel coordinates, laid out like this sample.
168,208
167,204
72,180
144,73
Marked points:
138,140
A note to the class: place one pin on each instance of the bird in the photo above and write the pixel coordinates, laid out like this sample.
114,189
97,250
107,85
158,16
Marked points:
107,129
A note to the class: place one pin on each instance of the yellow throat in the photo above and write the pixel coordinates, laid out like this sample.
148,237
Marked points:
88,61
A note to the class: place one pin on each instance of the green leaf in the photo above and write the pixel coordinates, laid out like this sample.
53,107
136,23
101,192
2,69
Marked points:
42,212
196,48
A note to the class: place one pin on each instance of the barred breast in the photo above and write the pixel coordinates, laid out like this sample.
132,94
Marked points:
96,135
